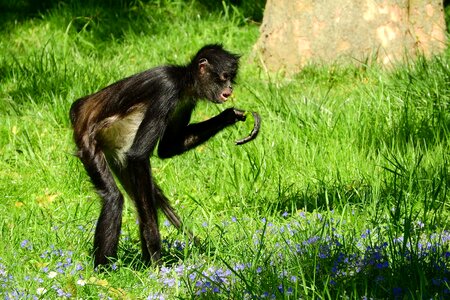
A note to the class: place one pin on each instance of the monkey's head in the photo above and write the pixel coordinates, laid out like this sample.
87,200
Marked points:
215,70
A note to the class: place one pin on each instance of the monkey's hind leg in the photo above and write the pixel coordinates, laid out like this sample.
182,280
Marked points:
137,180
106,237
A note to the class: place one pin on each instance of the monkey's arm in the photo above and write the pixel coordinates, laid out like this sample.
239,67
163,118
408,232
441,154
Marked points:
176,142
148,133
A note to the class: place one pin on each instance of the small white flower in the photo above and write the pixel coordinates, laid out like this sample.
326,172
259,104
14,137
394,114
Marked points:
81,282
41,291
52,274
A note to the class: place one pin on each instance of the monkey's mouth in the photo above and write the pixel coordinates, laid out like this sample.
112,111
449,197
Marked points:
224,96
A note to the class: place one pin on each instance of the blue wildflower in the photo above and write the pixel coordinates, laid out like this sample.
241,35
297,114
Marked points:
170,282
24,243
397,291
365,234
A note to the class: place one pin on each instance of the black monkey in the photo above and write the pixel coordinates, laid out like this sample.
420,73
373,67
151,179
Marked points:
117,128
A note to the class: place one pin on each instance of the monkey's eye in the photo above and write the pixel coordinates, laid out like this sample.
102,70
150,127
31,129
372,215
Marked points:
224,76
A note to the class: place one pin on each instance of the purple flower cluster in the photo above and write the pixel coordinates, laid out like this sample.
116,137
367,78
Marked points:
9,289
63,261
5,277
276,261
370,259
174,245
224,280
63,264
55,264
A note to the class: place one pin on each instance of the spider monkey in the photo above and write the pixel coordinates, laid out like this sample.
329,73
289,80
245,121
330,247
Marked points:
117,129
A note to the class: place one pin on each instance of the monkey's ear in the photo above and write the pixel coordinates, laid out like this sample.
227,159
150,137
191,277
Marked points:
202,63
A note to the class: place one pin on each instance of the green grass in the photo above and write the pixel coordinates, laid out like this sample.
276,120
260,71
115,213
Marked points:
343,194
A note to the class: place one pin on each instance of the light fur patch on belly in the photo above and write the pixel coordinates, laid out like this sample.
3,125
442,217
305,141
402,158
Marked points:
118,135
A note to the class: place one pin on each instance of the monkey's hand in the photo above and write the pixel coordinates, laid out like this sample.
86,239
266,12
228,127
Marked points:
255,130
234,115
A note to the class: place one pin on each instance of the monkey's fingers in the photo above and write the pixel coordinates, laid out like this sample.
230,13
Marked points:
254,132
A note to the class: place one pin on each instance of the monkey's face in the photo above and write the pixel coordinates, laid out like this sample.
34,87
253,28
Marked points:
216,71
216,86
222,87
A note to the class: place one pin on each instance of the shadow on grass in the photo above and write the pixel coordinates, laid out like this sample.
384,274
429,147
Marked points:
18,11
323,196
104,19
405,181
252,10
173,251
108,19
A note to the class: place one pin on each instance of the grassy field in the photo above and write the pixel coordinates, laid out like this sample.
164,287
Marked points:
343,194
